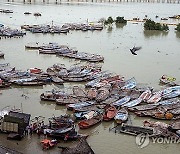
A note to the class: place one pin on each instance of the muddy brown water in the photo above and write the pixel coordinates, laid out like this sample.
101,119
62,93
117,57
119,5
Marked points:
159,55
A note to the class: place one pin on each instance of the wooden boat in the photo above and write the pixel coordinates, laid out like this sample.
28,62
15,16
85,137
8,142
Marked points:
129,84
102,94
81,148
133,103
43,51
175,111
110,113
35,70
146,95
86,108
121,116
113,78
62,121
171,101
79,92
32,45
84,115
143,107
110,100
148,113
90,122
134,94
79,105
65,134
52,95
37,14
30,83
67,100
27,13
92,93
4,84
57,80
80,115
175,125
164,18
122,101
155,98
76,79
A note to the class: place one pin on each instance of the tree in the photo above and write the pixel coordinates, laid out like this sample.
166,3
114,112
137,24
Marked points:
120,20
178,27
109,21
151,25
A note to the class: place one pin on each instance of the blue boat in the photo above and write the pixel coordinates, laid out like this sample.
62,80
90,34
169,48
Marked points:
122,101
121,116
168,101
173,94
133,102
79,105
129,84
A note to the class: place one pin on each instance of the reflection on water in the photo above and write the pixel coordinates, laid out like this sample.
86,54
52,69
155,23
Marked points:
154,33
178,34
120,25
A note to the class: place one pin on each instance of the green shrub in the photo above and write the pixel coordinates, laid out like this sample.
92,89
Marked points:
120,20
151,25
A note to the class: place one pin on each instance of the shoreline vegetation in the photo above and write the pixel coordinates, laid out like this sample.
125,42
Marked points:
148,23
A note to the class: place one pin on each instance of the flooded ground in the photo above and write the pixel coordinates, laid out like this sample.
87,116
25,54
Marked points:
159,55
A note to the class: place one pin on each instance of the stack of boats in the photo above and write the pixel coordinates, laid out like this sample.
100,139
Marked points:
57,74
8,32
63,50
112,98
61,29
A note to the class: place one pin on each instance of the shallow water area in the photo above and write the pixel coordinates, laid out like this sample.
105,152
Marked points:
159,55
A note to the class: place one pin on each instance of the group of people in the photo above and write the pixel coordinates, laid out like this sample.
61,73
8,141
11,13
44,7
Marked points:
35,127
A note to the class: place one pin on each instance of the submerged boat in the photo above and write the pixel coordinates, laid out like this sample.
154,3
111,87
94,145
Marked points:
121,116
135,130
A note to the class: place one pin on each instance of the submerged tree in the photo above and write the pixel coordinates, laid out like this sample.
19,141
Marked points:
120,20
178,27
151,25
109,21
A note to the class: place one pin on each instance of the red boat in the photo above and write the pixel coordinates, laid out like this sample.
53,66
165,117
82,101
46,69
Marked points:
109,113
90,122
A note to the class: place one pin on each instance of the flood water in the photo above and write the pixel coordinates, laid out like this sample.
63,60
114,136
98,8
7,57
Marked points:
159,55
